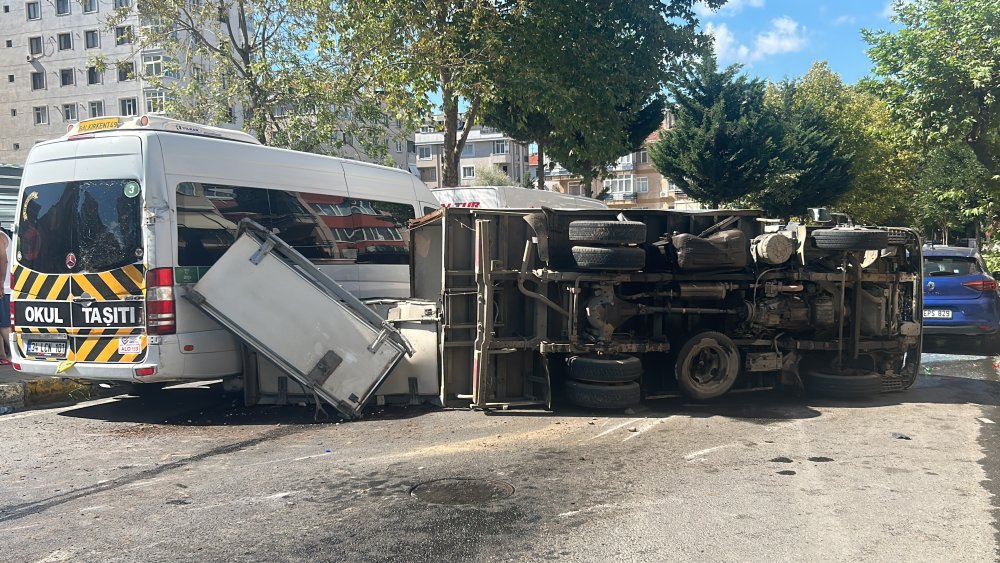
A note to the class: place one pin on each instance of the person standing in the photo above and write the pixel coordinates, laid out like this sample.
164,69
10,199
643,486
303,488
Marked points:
6,254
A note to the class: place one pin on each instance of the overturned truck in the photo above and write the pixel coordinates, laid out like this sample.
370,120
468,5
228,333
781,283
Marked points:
605,308
597,308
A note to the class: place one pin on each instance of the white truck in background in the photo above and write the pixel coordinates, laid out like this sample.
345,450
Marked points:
512,197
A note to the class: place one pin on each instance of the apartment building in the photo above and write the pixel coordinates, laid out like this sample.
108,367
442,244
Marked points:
633,181
47,79
484,147
10,180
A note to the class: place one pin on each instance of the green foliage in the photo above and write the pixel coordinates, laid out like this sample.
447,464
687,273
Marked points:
726,141
588,93
492,176
951,192
251,59
942,73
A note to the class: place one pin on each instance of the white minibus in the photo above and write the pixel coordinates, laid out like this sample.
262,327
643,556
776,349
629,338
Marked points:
115,218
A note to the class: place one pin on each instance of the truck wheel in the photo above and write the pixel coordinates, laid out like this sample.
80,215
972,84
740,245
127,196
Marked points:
598,396
625,258
605,369
851,239
608,232
838,386
707,365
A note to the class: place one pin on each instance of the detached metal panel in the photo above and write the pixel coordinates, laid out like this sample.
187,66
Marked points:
322,336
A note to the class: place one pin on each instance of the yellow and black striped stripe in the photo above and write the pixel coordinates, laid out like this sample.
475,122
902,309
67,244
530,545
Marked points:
85,344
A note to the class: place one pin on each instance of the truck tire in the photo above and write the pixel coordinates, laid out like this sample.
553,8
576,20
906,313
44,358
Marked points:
851,239
624,258
605,369
600,396
707,365
607,232
837,386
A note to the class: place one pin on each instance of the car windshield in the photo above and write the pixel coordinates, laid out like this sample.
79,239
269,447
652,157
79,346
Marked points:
950,266
86,226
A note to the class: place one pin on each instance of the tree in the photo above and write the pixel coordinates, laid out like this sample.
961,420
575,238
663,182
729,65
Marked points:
951,192
409,50
725,141
492,176
586,87
250,57
813,167
942,73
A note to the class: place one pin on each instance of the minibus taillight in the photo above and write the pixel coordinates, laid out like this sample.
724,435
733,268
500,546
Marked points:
161,315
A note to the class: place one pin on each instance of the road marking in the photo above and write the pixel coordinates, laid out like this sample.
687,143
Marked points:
985,420
699,453
646,426
613,428
93,403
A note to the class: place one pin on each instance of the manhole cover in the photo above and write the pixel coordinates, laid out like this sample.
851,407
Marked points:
462,491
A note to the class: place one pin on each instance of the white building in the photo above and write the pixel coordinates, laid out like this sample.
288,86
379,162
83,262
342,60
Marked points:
47,81
484,147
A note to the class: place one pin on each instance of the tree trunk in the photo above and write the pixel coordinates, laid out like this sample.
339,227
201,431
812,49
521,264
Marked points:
540,167
588,187
450,154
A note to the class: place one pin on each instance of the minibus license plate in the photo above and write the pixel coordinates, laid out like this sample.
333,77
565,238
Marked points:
47,348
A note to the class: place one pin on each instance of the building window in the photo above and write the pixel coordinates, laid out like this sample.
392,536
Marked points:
468,149
89,6
65,41
13,112
9,43
17,146
642,157
126,71
37,80
41,115
399,146
34,10
66,77
94,76
128,106
468,172
426,128
69,112
35,45
123,35
62,7
424,153
157,65
642,184
500,147
428,175
619,185
96,108
123,3
627,159
10,78
155,101
92,38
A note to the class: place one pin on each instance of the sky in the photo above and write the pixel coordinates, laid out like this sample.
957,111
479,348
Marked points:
777,39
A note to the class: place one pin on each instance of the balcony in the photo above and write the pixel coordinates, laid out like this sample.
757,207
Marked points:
620,197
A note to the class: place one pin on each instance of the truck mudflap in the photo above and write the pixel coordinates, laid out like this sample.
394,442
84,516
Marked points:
278,303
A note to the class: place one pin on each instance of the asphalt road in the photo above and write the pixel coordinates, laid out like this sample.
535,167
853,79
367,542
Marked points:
193,476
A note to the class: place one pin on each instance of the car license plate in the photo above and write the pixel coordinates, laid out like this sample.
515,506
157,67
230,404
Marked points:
937,314
47,348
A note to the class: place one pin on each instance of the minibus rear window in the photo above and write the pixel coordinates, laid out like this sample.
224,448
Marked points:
83,226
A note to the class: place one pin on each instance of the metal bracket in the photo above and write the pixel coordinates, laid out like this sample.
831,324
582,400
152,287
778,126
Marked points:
258,256
324,368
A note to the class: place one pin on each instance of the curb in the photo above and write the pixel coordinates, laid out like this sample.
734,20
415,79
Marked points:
33,393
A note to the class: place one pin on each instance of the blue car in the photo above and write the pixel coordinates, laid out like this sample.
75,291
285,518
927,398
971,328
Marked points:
960,296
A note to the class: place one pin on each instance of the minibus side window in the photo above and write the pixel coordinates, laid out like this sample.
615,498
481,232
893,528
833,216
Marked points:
324,228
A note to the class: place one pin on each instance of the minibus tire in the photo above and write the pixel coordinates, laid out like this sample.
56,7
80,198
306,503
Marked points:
602,396
607,232
611,368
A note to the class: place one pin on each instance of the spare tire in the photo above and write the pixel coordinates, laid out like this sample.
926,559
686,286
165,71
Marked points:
598,396
617,368
607,232
624,258
857,386
854,238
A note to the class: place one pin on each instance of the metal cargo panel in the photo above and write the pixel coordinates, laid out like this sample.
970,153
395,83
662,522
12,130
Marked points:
281,305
